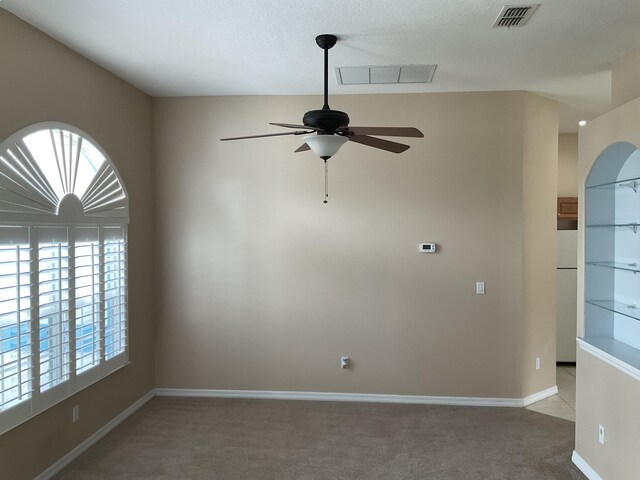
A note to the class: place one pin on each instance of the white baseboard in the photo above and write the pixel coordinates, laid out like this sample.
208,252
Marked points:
584,467
357,397
536,397
89,442
320,396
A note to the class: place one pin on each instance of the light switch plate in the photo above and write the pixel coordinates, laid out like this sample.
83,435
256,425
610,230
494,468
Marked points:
480,288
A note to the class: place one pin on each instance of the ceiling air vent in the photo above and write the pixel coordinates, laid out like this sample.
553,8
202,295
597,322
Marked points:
515,15
367,75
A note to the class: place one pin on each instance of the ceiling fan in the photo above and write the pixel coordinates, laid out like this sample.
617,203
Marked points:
331,127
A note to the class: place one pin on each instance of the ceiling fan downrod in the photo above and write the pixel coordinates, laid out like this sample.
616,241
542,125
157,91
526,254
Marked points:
325,42
326,121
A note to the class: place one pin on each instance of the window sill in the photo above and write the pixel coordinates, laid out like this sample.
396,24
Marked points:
20,413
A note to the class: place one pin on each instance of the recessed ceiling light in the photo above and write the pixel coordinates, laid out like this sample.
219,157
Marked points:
582,123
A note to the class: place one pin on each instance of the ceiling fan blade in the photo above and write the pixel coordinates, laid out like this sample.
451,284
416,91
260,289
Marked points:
302,148
290,125
301,132
386,131
380,143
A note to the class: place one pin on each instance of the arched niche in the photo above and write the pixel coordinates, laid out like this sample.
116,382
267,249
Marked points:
612,249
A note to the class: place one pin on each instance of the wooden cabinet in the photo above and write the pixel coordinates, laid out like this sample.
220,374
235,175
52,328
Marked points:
568,208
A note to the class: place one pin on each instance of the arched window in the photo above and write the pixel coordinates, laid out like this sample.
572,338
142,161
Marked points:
63,268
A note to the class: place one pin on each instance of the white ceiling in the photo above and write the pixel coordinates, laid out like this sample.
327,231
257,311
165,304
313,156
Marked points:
251,47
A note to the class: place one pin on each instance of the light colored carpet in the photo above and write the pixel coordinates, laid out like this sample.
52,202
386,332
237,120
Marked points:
224,439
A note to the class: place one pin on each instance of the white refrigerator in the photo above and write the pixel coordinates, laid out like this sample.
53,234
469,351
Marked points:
567,288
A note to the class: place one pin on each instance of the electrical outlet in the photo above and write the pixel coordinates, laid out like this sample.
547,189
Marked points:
76,413
537,363
601,434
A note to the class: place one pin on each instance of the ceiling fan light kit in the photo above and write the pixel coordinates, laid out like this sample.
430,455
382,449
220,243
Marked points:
325,146
331,127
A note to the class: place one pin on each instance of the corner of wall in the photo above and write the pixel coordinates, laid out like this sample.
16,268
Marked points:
539,190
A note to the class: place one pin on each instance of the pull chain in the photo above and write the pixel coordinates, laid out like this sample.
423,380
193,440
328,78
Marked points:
326,181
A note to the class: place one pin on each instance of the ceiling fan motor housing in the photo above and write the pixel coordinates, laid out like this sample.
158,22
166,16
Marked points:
328,121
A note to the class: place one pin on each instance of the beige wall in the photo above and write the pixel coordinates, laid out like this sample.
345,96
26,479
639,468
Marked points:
568,165
263,287
625,78
605,395
539,187
42,80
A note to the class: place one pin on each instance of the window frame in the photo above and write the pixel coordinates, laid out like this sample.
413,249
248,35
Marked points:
71,220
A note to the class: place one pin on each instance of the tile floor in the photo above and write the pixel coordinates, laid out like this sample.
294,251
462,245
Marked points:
562,405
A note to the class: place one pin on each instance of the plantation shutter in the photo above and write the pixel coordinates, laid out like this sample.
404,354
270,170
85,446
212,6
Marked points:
115,291
88,311
16,340
53,288
63,268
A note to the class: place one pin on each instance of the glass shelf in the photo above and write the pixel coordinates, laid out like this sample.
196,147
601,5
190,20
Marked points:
631,311
630,267
632,183
633,226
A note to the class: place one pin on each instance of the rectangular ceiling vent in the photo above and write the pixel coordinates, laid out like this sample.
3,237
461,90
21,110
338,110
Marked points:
515,15
375,75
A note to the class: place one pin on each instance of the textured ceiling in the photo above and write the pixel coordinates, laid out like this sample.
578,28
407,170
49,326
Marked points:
251,47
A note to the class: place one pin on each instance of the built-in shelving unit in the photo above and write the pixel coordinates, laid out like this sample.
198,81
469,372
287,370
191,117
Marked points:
612,254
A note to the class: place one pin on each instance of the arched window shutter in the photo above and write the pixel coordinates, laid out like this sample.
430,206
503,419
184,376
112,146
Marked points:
43,164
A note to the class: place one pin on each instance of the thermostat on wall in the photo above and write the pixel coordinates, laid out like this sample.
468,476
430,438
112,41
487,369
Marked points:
427,247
